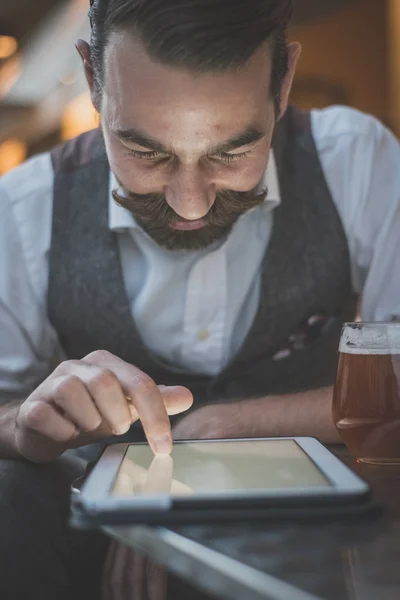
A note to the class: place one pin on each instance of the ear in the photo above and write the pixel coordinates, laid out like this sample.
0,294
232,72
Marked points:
294,55
84,52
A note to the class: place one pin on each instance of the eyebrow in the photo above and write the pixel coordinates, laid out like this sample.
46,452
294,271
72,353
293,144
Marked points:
133,136
249,136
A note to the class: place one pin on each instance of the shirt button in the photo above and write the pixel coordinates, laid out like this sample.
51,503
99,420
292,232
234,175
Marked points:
203,335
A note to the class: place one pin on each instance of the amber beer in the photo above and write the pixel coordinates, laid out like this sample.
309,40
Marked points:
366,404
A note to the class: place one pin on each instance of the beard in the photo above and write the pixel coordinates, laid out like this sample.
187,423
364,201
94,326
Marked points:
156,217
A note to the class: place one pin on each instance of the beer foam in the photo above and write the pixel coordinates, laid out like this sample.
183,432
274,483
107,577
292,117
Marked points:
369,351
372,339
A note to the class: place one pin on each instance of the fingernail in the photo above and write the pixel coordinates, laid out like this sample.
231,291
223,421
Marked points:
121,429
162,444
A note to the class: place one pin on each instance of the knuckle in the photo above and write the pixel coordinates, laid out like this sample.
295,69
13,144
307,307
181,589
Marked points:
38,414
66,367
99,356
143,384
102,380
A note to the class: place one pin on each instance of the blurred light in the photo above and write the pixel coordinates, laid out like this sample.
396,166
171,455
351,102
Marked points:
68,78
8,46
12,154
78,117
9,74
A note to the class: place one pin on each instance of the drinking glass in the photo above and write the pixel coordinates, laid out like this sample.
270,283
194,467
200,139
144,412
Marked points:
366,400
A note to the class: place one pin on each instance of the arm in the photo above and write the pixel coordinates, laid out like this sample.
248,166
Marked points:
26,342
303,414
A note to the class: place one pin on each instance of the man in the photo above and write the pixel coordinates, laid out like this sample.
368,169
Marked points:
208,243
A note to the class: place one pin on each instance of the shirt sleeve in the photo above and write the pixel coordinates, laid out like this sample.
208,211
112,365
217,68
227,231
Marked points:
27,344
361,161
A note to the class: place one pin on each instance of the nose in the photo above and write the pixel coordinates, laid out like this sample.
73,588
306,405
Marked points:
189,193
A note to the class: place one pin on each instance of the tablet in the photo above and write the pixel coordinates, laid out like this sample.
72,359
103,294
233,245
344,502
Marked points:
215,480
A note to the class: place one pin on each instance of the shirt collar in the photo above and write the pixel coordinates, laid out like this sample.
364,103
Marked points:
120,218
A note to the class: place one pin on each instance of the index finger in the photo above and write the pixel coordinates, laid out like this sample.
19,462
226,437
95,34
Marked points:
147,399
144,395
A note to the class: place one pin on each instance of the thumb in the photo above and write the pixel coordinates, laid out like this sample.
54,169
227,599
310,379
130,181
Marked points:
177,399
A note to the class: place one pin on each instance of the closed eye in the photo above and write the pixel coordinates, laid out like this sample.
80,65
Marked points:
226,157
151,155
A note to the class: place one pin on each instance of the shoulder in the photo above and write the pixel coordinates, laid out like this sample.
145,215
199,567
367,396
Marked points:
342,120
355,150
341,125
360,158
29,182
26,208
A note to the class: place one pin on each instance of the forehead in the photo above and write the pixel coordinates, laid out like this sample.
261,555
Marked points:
163,98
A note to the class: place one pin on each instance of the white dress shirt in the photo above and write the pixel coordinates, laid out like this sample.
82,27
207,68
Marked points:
194,309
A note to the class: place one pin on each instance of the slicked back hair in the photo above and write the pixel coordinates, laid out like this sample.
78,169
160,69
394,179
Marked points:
199,35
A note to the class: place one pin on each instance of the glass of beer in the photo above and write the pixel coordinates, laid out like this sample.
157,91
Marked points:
366,400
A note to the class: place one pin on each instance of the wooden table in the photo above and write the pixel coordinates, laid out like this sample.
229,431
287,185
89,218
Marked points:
356,559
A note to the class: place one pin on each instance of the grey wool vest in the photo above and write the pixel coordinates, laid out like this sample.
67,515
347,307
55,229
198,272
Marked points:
305,294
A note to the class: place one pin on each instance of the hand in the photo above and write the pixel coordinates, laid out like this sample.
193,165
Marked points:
86,400
218,421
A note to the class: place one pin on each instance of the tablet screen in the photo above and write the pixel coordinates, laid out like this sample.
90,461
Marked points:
218,467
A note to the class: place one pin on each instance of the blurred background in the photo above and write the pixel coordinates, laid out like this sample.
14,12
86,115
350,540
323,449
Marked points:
351,55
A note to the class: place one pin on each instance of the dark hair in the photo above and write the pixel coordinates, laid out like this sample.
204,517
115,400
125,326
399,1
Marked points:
201,35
